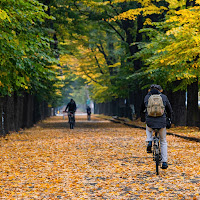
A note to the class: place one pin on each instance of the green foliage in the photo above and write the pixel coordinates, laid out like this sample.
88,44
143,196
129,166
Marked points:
25,54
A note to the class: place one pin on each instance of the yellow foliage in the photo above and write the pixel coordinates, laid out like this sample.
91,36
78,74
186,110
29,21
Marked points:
3,15
55,67
195,66
120,1
115,65
174,31
173,4
58,92
3,74
148,21
133,13
27,78
1,84
130,14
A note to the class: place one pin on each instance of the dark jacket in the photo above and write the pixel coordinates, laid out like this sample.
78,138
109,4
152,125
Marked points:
157,122
71,106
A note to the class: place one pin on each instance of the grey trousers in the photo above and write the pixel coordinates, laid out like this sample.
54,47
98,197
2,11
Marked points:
163,141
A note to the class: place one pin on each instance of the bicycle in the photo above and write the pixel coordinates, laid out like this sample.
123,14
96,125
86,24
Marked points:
156,150
71,119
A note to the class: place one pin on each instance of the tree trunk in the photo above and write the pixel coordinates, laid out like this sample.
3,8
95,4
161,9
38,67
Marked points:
27,111
17,111
46,108
9,114
190,3
114,107
21,109
36,111
2,132
96,108
30,110
192,104
177,101
136,98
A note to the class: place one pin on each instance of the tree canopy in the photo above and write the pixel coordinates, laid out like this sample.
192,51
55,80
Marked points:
112,46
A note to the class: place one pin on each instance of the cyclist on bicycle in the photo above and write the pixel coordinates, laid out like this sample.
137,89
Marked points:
158,122
71,107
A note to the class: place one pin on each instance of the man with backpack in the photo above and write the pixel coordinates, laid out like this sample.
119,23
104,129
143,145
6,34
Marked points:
157,109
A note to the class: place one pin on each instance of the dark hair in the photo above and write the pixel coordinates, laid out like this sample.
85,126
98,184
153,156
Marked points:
154,86
158,87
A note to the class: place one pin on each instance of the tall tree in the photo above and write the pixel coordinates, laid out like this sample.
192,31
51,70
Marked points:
25,53
172,54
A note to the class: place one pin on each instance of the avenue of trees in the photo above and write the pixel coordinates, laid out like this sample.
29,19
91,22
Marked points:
121,47
116,48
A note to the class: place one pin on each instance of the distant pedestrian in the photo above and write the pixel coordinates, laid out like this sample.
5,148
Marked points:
88,109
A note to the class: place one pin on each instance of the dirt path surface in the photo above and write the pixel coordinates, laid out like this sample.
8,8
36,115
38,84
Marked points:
96,160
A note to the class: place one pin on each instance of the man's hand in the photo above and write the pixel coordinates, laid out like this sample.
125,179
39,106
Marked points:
168,123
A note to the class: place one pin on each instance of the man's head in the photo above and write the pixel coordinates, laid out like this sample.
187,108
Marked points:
157,87
152,86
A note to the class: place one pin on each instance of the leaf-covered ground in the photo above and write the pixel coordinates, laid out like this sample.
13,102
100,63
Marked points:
97,160
179,130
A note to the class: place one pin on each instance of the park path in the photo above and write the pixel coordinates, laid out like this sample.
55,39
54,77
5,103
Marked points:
97,160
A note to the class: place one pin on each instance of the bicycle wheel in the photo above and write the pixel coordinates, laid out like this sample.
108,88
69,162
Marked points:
157,159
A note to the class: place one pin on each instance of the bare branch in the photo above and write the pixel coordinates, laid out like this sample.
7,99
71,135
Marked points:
91,78
115,29
97,63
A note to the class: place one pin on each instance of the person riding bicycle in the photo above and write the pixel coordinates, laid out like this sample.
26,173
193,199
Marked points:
158,122
71,107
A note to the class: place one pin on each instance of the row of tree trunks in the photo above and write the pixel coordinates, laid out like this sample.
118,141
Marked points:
182,115
21,111
119,107
136,98
185,115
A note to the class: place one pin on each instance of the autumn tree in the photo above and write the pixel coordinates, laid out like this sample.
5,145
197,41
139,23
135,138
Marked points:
102,46
26,59
170,57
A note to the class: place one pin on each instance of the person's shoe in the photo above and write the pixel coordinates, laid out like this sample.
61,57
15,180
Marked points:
149,147
164,165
